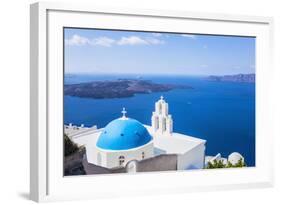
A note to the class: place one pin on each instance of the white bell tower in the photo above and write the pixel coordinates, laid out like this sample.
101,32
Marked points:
162,122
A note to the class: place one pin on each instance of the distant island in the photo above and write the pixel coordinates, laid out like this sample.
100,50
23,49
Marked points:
120,88
246,78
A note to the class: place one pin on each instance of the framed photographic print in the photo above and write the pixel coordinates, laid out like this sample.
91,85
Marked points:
127,102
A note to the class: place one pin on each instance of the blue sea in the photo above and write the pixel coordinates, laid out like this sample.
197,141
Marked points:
223,113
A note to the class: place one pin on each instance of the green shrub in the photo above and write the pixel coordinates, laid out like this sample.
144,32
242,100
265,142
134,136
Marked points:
219,164
240,163
216,164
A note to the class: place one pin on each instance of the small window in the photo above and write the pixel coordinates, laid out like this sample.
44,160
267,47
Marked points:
142,155
121,160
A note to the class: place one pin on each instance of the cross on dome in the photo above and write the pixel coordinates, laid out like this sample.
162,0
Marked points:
161,97
124,112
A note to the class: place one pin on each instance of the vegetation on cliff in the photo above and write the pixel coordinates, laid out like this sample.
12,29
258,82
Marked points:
69,146
219,164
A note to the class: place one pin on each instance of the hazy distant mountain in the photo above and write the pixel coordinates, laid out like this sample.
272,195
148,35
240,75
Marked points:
247,78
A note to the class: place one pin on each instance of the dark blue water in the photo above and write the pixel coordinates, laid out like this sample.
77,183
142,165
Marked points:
223,113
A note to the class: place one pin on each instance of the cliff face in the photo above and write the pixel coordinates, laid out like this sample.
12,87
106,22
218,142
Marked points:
246,78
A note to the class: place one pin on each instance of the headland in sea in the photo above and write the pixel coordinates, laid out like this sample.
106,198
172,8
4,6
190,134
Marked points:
120,88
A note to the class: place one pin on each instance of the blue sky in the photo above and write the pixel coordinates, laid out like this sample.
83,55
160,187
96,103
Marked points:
107,51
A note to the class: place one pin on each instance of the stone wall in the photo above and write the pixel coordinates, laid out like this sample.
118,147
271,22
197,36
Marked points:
158,163
95,169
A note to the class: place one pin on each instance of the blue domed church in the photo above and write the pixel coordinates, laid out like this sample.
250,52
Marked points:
154,146
123,140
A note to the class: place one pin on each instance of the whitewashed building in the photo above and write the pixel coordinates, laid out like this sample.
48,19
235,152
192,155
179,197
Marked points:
125,139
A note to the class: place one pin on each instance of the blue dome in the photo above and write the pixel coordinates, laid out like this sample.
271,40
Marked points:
122,134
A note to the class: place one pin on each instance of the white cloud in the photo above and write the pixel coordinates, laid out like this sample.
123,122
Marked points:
77,40
135,40
132,40
189,36
103,41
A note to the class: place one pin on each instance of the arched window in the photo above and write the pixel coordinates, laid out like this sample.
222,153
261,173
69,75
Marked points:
121,160
157,122
142,155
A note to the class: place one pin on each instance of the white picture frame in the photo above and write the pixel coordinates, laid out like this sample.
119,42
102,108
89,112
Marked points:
46,177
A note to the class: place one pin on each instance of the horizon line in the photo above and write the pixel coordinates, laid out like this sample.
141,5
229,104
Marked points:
175,74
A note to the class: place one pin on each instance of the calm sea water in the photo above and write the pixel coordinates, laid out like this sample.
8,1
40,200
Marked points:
223,113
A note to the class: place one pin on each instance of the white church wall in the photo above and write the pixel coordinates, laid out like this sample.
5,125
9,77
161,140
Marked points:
95,156
193,159
110,159
165,109
91,154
